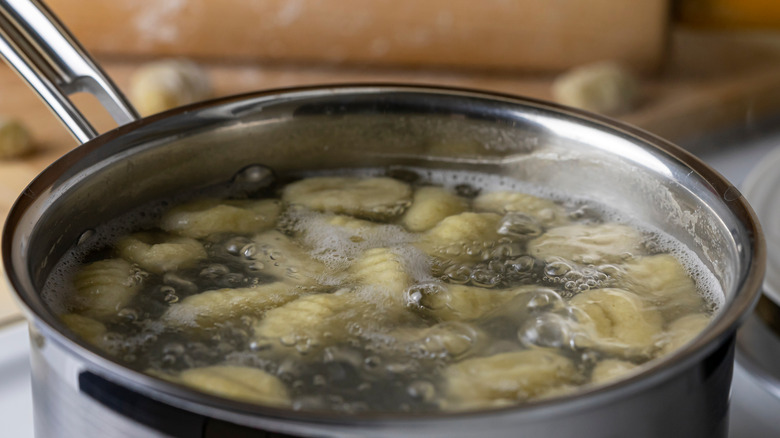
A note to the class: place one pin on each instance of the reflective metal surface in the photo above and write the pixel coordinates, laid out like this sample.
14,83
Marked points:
47,56
685,394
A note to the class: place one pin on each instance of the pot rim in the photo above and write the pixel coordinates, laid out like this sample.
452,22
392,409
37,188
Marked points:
720,330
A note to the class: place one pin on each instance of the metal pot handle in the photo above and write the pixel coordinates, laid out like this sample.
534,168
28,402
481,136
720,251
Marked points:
49,58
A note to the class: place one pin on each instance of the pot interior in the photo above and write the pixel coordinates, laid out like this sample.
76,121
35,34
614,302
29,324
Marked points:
388,127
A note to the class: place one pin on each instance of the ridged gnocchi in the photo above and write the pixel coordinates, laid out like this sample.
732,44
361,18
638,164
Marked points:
455,302
462,236
166,84
237,382
505,379
103,288
451,339
159,253
371,198
89,329
663,278
211,307
684,330
608,370
619,321
284,260
350,294
382,272
429,206
205,217
544,211
586,243
309,321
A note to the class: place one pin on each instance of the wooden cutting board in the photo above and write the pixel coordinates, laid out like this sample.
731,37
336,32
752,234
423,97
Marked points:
711,81
486,34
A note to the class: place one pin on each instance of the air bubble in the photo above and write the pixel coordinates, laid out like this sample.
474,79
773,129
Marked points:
557,268
519,225
175,282
548,330
253,178
429,295
235,245
421,390
458,274
128,313
249,251
485,278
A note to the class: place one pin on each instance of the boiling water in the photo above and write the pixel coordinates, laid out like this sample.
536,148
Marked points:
370,367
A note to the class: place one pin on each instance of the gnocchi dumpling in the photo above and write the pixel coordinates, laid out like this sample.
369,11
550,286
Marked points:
545,211
238,383
683,330
461,237
383,274
89,329
619,321
284,260
661,277
307,322
202,218
211,307
452,339
162,85
104,287
455,302
506,378
158,253
429,206
370,198
14,139
588,244
609,370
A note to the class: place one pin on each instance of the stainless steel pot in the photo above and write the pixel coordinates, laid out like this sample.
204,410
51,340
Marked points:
80,392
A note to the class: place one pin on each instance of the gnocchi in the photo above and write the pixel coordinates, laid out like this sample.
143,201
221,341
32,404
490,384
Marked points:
238,383
461,237
370,198
544,211
589,244
429,206
663,278
159,253
281,258
89,329
14,139
610,369
169,83
203,218
619,321
215,306
504,379
307,322
384,294
104,287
